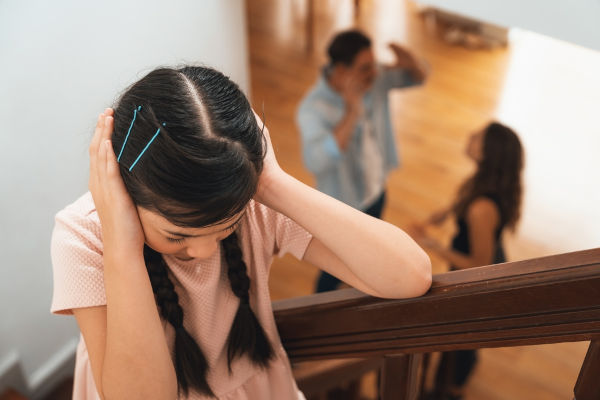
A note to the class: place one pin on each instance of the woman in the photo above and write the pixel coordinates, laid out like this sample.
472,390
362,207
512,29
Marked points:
487,203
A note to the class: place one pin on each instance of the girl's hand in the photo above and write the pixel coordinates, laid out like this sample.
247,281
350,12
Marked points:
121,228
271,172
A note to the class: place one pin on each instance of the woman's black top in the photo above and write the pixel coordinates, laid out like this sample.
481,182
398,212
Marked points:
461,243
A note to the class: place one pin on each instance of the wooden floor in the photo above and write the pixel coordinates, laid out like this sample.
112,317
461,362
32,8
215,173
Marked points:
465,90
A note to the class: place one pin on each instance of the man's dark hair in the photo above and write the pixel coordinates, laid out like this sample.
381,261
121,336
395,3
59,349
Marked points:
346,45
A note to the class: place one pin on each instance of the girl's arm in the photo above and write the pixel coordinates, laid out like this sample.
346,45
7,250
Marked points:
374,256
128,351
482,219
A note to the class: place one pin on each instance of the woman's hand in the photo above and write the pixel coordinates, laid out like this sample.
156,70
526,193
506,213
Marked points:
429,243
437,218
121,228
419,233
271,172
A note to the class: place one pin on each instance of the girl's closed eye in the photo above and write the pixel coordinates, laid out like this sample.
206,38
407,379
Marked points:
180,240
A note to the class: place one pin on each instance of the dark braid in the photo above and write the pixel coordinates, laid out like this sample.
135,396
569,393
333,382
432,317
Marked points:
190,364
246,335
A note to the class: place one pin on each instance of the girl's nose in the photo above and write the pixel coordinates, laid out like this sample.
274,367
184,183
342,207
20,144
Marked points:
202,247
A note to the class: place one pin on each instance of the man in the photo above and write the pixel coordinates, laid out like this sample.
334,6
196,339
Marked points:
347,135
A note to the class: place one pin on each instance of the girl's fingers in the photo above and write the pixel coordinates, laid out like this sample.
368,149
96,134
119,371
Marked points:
107,128
99,130
101,164
93,151
96,138
112,167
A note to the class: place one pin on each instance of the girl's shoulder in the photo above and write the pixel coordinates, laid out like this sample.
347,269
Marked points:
76,251
83,207
261,220
259,213
266,220
79,222
278,233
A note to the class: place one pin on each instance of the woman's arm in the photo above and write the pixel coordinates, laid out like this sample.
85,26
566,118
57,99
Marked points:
482,219
372,255
128,351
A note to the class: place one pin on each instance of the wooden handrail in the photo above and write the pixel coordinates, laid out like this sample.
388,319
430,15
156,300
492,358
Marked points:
544,300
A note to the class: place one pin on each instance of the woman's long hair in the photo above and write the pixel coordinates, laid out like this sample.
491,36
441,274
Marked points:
498,174
202,169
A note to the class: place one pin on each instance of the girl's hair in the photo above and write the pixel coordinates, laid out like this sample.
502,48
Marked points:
498,175
201,170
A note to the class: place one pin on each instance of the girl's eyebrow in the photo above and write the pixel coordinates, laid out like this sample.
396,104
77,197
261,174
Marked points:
185,235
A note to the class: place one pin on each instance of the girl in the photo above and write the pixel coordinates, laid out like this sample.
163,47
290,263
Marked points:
486,204
165,261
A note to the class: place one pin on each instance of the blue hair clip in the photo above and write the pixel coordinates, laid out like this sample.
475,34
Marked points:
128,132
146,148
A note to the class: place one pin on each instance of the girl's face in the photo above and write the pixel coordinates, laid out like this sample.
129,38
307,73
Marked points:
184,243
475,146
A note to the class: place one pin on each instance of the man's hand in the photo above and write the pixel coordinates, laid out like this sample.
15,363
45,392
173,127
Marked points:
405,59
352,93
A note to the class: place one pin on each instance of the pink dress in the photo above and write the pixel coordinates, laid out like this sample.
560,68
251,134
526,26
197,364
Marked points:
208,303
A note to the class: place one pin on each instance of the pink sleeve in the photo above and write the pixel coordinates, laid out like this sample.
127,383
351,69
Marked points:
76,252
279,234
290,237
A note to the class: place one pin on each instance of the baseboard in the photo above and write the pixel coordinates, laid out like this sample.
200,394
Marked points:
486,29
11,374
52,373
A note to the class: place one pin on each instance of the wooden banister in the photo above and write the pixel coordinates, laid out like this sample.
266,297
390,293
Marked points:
545,300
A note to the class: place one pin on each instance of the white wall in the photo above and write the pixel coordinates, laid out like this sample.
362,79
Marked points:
574,21
550,96
61,63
